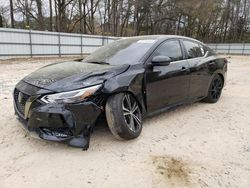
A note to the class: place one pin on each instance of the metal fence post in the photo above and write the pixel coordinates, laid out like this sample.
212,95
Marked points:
59,44
102,40
30,38
81,44
244,46
229,48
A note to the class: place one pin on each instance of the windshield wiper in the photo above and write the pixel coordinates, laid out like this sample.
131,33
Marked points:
98,62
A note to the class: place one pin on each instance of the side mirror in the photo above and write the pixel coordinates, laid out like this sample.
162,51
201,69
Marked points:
161,61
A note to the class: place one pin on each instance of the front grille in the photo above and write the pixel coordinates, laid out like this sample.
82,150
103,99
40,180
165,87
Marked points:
20,101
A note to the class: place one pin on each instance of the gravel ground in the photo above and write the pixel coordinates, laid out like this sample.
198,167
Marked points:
199,145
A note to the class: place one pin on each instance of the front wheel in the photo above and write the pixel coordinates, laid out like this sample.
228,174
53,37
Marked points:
124,116
215,90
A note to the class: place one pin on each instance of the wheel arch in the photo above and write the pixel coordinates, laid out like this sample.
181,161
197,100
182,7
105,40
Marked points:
222,77
220,73
128,92
141,106
130,82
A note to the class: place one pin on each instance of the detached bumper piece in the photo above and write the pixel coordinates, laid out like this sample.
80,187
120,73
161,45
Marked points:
57,132
68,123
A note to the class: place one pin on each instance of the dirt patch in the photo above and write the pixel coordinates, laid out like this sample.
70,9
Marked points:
174,172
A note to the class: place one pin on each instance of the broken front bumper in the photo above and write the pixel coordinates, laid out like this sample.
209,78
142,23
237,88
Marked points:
69,123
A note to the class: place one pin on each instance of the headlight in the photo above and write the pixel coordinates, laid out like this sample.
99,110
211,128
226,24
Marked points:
71,96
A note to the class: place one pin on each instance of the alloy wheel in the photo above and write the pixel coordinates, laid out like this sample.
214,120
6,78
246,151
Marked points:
216,88
131,113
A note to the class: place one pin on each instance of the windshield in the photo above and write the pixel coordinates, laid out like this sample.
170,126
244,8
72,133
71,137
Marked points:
124,51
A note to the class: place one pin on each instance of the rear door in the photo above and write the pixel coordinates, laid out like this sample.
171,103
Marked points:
167,85
199,75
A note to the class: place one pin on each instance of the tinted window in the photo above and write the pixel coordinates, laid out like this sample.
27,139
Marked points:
171,49
193,49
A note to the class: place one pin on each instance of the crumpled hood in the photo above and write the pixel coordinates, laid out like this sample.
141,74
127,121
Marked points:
72,75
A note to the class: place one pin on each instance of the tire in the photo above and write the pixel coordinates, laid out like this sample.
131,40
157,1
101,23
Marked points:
215,90
123,116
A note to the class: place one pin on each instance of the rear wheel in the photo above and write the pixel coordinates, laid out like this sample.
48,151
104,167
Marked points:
124,116
215,90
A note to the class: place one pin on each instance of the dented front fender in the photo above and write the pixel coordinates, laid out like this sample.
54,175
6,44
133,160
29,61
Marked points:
131,81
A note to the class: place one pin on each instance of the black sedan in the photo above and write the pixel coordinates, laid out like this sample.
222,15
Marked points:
125,81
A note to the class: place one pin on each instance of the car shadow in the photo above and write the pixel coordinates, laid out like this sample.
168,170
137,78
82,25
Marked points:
102,128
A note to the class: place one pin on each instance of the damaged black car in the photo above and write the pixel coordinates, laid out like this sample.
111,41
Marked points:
125,81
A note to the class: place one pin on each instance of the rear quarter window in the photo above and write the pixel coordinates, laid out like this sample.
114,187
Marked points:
193,49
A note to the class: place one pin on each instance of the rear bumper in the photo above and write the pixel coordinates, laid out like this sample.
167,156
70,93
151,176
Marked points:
69,123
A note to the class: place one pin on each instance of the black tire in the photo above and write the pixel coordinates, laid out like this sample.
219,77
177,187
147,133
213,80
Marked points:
215,90
124,119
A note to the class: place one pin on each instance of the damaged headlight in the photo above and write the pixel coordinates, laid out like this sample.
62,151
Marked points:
71,96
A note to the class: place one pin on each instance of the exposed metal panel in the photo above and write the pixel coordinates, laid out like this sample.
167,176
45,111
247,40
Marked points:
246,52
71,40
92,41
231,48
110,40
235,51
222,51
14,49
19,42
71,50
42,49
44,39
247,46
89,50
7,37
222,47
236,47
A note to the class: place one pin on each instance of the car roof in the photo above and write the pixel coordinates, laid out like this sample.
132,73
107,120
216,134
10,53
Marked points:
162,37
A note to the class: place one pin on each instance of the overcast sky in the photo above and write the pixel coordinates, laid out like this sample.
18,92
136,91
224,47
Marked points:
4,2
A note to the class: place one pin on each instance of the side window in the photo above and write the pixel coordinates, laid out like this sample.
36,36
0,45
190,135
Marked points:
193,49
172,49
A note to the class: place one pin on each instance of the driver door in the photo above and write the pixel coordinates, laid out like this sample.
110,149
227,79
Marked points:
167,85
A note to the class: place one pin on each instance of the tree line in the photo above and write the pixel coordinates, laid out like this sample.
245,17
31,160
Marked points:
209,21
